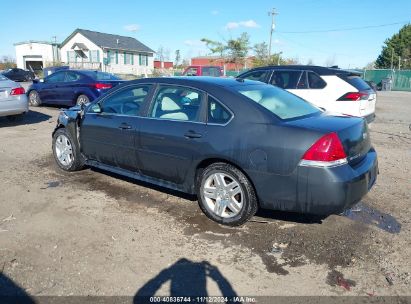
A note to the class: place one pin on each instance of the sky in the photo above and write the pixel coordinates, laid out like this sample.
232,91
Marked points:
181,24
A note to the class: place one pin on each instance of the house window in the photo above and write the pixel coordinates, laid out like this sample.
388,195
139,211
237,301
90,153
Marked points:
71,56
143,59
128,58
94,56
112,56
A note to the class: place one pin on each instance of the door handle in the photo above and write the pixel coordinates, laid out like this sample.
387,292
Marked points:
192,134
124,126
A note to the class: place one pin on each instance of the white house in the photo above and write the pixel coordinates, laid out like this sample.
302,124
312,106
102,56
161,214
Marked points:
106,52
35,55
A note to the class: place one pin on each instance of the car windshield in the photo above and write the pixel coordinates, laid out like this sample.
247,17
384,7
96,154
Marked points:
3,78
279,102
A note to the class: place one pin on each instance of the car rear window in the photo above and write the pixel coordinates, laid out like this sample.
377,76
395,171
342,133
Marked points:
103,76
279,102
357,82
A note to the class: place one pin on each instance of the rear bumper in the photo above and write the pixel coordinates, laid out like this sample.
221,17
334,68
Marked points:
332,190
321,191
17,105
370,118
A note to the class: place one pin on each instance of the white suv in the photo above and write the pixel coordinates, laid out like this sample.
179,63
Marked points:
332,89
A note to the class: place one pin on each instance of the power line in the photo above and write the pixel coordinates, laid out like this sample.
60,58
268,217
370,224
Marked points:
344,29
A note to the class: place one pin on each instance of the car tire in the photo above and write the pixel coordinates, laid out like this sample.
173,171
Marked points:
226,195
34,98
82,100
66,151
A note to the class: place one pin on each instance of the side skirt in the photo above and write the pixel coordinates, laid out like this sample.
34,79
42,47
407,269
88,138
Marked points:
136,176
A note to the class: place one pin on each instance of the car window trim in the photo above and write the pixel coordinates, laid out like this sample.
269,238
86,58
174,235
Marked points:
202,110
224,106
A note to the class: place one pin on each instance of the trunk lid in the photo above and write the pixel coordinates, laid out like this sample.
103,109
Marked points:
352,131
5,88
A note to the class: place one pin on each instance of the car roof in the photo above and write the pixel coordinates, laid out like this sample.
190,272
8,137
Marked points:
200,80
314,68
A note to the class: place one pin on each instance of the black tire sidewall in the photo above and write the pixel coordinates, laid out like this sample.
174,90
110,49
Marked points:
250,201
75,165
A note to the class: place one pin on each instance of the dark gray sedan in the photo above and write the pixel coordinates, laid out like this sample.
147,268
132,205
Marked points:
239,145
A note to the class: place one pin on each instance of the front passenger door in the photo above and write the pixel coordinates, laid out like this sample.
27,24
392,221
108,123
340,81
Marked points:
110,136
173,134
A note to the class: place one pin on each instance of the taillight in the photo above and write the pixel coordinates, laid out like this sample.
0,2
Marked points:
100,86
17,91
325,152
354,96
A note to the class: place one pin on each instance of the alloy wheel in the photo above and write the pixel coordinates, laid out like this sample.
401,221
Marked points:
223,195
64,150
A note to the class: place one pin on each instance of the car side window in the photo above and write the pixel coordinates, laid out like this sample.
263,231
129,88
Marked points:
216,113
211,71
192,72
286,79
176,103
56,77
71,76
315,81
260,75
302,82
128,101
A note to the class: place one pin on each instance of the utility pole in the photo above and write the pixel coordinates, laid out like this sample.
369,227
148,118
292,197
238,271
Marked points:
272,13
392,59
399,63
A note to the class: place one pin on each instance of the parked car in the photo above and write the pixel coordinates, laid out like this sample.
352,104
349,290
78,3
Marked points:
200,70
16,74
71,87
333,89
239,145
13,99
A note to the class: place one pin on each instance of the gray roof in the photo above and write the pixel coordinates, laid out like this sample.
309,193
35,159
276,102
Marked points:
109,41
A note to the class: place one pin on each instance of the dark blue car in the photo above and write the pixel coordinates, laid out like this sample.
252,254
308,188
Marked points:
71,87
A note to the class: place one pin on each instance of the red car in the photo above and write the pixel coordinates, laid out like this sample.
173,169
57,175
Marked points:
203,70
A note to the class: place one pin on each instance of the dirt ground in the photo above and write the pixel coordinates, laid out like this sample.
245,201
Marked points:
93,233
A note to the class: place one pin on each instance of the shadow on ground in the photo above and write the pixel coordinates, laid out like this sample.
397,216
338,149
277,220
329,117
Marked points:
32,117
10,292
187,278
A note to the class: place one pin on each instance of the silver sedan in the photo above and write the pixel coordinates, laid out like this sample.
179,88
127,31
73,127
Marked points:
13,99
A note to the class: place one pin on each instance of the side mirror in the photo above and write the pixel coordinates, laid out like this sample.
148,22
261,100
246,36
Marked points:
96,108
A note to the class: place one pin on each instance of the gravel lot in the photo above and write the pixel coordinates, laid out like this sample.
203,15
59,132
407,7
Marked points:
93,233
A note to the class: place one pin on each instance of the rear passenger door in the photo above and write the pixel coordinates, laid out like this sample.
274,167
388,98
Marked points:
173,133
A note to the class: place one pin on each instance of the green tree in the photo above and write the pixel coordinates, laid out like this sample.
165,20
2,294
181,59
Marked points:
260,54
396,48
238,49
233,51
